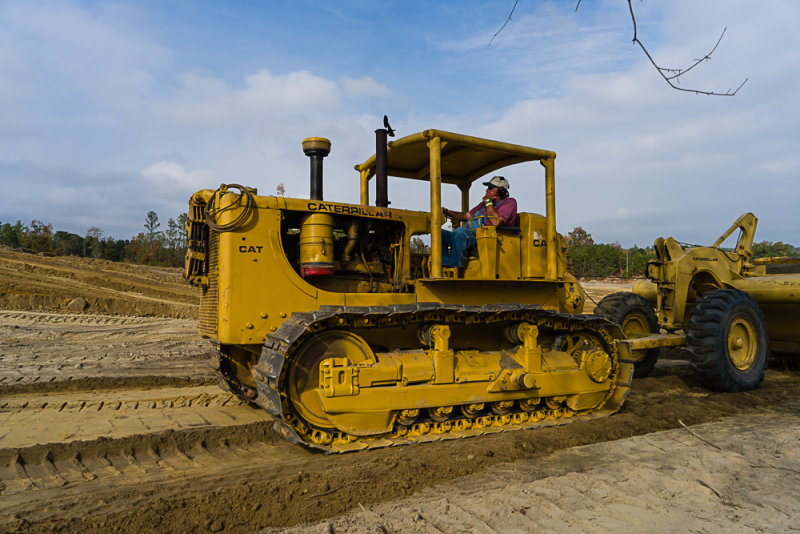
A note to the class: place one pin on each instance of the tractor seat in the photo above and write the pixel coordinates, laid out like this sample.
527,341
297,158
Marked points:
504,230
513,228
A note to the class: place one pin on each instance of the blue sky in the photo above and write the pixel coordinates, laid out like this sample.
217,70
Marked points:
110,109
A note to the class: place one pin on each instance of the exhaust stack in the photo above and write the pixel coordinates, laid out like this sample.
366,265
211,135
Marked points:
316,148
381,163
381,171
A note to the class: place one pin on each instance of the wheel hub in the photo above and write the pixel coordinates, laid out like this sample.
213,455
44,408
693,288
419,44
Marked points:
742,343
636,324
597,364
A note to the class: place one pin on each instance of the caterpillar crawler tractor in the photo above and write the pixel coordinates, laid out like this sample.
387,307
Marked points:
325,316
717,303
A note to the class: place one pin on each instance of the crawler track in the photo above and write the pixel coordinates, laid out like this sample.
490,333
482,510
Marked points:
271,371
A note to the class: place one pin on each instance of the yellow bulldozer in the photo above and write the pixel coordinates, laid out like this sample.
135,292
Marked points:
723,307
332,318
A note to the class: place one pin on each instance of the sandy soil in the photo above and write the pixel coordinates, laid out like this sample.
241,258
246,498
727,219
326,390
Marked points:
711,478
111,422
41,283
597,289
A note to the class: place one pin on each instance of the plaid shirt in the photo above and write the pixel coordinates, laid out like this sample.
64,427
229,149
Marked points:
506,209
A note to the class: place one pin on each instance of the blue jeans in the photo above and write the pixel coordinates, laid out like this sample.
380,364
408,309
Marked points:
459,243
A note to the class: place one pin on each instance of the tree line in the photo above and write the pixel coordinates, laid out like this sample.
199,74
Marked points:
167,247
153,246
585,258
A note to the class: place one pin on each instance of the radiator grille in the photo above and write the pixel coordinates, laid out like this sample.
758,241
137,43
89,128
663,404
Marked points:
209,302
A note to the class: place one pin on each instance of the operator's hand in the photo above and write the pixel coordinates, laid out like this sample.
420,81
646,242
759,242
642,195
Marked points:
450,214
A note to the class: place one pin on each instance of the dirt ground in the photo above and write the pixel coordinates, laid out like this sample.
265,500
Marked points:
85,285
111,420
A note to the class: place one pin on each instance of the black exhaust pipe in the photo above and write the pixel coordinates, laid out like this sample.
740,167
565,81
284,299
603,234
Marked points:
381,171
381,164
316,148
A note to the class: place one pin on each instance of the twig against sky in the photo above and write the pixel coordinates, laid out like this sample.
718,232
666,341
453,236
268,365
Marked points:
506,23
670,75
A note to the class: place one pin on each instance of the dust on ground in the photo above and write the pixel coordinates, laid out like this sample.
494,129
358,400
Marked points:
134,436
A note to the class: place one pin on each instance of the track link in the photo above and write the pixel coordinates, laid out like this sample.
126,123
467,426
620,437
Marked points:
270,372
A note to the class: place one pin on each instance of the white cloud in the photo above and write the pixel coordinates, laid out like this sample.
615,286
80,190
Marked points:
781,167
209,101
638,160
86,54
364,87
170,177
107,117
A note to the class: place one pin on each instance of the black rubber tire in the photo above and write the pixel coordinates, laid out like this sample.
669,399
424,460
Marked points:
630,310
718,319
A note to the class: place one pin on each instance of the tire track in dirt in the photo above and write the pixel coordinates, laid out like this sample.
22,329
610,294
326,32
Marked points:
45,418
56,447
83,477
43,348
28,318
267,482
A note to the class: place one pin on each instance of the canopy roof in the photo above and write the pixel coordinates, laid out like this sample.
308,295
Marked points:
464,158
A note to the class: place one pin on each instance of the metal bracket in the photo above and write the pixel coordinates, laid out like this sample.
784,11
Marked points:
338,378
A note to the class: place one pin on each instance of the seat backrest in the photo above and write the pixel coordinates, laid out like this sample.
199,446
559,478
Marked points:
513,228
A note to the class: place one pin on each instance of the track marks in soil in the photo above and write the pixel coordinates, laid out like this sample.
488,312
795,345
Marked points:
29,318
119,474
288,485
78,416
119,445
42,348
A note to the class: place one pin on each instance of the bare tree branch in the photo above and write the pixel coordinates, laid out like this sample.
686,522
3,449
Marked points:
697,61
670,75
505,23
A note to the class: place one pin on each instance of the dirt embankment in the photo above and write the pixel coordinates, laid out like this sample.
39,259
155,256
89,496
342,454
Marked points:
114,423
88,285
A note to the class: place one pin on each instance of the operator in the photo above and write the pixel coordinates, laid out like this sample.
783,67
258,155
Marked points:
496,209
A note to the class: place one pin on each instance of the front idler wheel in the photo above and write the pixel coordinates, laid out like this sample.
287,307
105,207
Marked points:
303,377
